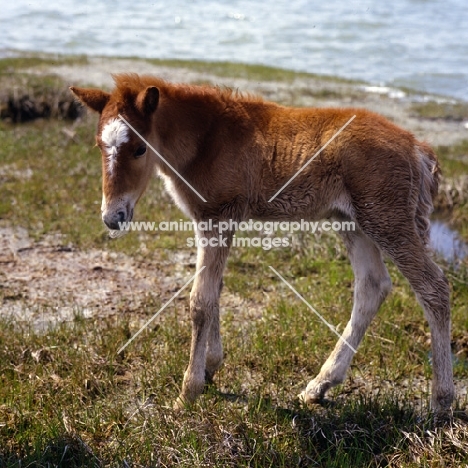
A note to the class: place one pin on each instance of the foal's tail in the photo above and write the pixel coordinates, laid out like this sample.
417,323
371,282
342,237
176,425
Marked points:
429,185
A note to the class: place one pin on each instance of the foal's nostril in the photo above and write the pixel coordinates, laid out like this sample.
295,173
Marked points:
115,220
121,216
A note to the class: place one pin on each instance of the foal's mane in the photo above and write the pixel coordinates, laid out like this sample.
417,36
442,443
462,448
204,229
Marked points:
131,84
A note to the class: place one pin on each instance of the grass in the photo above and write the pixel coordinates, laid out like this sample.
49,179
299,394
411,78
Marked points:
101,409
246,71
22,61
26,95
457,111
67,399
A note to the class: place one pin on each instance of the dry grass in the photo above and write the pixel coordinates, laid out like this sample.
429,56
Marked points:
26,97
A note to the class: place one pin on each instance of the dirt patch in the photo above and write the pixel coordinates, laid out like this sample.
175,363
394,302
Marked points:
48,278
47,282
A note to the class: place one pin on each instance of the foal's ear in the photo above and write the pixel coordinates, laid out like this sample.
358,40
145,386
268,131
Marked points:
95,99
147,100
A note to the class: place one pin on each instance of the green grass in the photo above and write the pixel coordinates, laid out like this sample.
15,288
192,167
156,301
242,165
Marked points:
67,399
22,61
242,70
454,158
99,406
441,110
26,94
223,69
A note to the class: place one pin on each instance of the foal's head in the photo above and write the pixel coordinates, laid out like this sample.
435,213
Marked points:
127,163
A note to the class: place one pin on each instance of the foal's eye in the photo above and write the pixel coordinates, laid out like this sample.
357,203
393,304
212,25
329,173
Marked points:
140,151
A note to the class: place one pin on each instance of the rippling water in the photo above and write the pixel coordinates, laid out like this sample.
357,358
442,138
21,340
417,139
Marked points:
418,43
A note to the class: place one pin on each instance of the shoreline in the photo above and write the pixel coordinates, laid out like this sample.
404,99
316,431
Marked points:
229,69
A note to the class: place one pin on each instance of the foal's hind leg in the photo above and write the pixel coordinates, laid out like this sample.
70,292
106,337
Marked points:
432,291
214,347
372,285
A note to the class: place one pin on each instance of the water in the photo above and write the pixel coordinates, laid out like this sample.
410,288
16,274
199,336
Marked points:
418,43
447,243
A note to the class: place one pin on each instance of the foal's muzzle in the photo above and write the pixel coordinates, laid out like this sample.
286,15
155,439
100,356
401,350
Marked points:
115,219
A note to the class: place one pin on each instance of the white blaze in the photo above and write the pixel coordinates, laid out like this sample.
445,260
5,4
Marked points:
113,135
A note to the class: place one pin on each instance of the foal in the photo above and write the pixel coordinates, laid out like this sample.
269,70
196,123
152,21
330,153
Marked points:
226,157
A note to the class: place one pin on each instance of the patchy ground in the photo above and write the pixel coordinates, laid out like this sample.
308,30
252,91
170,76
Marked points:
47,281
48,275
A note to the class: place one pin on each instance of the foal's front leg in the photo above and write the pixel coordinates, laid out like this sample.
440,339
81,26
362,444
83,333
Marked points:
206,352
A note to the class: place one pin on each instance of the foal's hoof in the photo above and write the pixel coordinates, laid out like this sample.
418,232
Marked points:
181,404
443,418
178,405
209,378
314,392
310,398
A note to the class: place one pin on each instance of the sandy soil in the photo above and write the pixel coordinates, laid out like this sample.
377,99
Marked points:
49,282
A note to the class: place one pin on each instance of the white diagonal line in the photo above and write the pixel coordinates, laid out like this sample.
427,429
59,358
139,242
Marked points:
160,310
161,157
331,327
311,159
